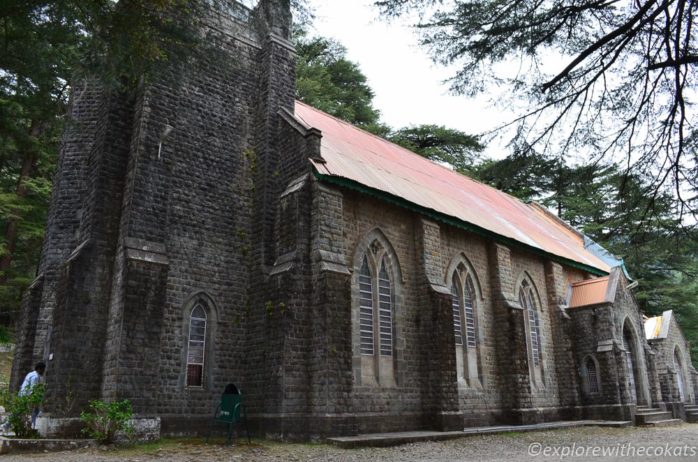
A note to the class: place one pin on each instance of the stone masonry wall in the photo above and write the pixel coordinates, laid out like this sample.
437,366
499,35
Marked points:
499,351
80,313
479,403
26,328
558,283
625,310
533,267
592,336
401,404
664,359
86,109
436,335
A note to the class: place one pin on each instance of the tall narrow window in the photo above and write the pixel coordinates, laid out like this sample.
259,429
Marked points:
469,309
527,299
366,309
455,304
535,335
630,358
680,383
465,330
376,313
385,304
592,376
196,347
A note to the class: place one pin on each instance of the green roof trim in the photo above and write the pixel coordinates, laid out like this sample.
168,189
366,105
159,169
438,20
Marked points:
452,221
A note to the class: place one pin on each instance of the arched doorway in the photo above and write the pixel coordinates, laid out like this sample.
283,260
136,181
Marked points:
678,367
631,364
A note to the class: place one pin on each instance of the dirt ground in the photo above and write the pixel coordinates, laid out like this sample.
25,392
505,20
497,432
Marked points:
656,444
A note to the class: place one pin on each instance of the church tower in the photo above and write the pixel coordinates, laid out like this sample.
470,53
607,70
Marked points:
160,228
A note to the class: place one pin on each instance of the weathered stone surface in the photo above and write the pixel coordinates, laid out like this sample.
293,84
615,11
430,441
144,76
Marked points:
226,213
671,362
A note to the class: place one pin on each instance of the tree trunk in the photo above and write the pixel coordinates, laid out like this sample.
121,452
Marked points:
28,166
559,183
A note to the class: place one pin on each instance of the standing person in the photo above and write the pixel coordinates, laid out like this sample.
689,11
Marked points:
30,381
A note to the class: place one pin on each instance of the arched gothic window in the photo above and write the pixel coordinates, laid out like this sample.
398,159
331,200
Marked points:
376,323
196,346
630,359
680,382
591,375
465,325
528,301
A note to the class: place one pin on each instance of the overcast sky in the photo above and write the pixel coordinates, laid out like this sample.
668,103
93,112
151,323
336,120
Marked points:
409,88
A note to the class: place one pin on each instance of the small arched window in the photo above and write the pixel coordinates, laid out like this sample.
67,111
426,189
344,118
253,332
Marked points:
680,382
376,306
465,328
196,347
592,376
528,301
630,358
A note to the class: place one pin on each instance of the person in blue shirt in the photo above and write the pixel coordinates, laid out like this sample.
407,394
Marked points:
30,381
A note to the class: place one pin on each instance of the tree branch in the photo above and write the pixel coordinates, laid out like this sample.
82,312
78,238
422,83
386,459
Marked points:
682,61
622,30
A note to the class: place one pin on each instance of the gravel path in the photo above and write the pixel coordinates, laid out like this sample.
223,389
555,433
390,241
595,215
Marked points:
681,440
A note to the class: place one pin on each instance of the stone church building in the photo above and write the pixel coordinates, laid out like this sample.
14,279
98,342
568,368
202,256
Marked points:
210,230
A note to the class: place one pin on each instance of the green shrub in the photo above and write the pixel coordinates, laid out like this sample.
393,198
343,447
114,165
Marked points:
20,410
5,336
6,396
104,420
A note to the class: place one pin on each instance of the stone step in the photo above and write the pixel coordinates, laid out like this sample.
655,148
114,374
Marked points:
394,439
663,423
645,408
39,445
615,424
644,418
691,407
692,416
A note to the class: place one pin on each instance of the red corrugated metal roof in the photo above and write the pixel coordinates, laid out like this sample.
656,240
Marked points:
589,292
371,161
